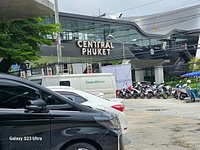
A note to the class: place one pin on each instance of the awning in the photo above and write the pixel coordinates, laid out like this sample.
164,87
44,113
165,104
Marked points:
22,9
191,74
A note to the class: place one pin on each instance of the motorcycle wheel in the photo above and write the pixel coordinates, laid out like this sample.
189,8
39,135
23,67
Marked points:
142,95
176,96
149,95
182,97
127,96
192,99
158,96
135,96
165,95
120,95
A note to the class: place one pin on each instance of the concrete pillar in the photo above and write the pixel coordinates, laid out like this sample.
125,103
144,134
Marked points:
198,50
57,69
69,69
42,71
100,67
139,74
159,75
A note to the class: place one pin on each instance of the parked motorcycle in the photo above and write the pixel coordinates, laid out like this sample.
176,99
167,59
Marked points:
176,91
134,92
185,90
121,93
183,94
148,90
129,92
162,91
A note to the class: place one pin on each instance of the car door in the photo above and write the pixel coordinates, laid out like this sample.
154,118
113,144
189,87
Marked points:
21,129
67,121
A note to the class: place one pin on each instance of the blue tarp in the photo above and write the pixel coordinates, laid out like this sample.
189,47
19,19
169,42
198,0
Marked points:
191,74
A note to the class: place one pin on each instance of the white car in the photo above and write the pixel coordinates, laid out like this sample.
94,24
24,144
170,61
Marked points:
95,102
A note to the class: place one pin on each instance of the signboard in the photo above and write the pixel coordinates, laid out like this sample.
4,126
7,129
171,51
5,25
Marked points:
93,48
123,75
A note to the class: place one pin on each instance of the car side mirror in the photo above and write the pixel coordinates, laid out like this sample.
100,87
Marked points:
36,106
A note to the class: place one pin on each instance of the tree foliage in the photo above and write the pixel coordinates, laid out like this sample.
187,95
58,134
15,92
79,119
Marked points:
194,64
20,40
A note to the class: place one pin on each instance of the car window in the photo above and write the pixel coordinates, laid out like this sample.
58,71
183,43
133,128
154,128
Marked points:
38,81
72,96
80,99
64,83
51,99
15,96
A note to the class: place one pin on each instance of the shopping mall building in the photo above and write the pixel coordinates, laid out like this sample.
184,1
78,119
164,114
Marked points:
154,45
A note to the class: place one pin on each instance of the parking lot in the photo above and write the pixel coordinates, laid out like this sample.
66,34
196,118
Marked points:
162,125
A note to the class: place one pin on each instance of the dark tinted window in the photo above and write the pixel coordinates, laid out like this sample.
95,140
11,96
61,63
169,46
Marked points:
72,96
38,81
51,99
15,96
64,83
80,99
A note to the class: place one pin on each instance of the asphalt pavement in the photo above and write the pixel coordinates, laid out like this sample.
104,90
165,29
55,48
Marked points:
162,124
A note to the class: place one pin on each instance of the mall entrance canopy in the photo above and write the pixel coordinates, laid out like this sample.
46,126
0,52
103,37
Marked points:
22,9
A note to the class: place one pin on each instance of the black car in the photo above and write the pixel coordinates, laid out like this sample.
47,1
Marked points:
33,117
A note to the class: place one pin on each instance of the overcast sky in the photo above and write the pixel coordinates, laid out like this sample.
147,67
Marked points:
126,7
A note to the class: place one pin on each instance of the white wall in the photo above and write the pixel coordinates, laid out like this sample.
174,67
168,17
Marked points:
78,68
123,75
159,75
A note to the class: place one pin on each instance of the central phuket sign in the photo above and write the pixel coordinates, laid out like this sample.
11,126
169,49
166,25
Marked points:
95,48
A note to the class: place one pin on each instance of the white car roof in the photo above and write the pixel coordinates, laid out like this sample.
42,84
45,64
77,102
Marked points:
60,87
88,96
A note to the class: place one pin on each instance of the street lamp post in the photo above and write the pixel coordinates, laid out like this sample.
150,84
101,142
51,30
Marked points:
123,51
58,38
123,43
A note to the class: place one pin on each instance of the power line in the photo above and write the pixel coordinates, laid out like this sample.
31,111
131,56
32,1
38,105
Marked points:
172,23
196,2
170,8
180,10
178,21
146,4
169,20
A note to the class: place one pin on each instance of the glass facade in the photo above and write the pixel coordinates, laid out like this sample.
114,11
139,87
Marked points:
97,31
127,38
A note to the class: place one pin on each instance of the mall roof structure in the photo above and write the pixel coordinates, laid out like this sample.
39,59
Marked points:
186,19
21,9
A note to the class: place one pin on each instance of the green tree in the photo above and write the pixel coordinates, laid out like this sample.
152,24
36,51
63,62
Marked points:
20,40
194,64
